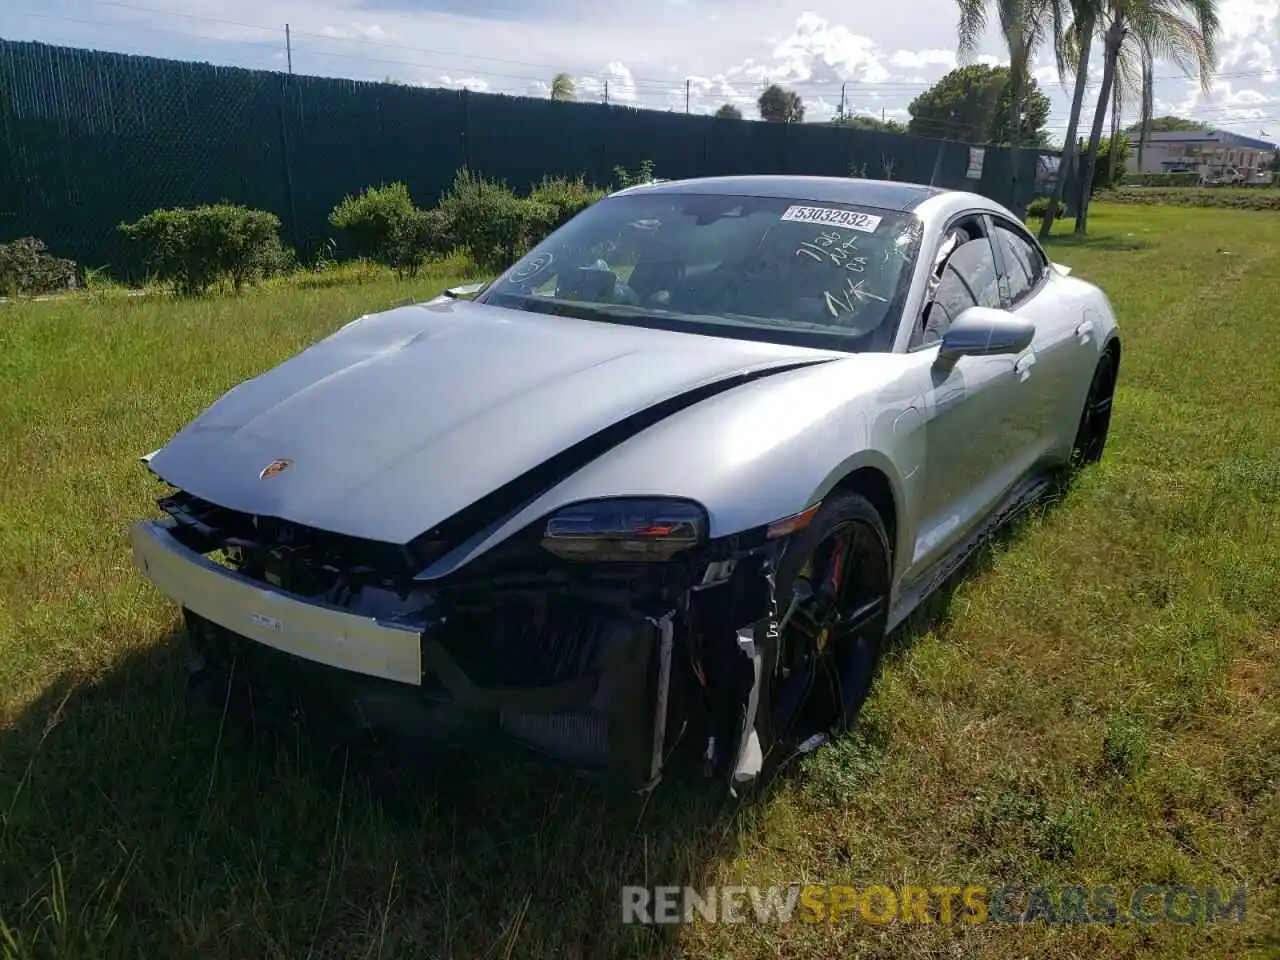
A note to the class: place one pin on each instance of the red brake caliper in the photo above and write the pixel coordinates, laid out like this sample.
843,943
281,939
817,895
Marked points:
835,578
840,552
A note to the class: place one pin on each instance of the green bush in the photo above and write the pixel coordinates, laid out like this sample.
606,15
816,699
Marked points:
625,178
274,259
494,225
432,233
26,267
569,197
1187,178
1101,171
192,249
1038,207
384,225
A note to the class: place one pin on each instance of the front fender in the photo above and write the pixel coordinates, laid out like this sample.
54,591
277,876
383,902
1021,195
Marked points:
753,454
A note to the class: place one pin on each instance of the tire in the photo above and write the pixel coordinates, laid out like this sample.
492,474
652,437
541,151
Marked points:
1095,418
820,670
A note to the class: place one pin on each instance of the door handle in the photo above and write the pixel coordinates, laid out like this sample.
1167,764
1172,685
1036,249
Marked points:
1084,331
1022,367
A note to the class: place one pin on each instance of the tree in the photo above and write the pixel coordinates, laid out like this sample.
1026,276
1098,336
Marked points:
1112,154
1148,83
973,103
779,105
1184,31
864,122
1167,124
1075,44
1022,26
729,112
562,87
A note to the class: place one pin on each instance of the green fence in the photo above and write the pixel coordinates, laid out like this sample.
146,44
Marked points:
90,139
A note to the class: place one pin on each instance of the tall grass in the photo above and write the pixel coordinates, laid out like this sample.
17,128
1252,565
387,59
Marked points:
1095,702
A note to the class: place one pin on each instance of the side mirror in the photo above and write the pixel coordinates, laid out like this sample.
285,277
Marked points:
985,332
467,291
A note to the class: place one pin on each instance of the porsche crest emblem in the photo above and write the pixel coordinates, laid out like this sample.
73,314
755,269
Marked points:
273,468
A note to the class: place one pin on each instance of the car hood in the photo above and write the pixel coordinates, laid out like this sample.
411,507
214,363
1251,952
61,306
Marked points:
401,419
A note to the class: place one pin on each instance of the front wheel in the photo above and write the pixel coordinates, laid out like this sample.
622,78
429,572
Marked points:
832,590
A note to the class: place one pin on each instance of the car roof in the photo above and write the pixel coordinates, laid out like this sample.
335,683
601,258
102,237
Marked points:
886,194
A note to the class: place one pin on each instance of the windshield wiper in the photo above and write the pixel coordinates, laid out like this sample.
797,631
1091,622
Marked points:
624,313
780,324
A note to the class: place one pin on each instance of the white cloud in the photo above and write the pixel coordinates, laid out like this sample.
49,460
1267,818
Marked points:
919,59
614,79
1045,75
1247,98
359,31
474,84
819,108
817,47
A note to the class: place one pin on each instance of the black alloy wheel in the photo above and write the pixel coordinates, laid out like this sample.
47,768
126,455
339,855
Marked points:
832,590
1095,419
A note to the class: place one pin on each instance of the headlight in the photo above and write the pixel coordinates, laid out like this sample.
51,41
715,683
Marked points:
625,529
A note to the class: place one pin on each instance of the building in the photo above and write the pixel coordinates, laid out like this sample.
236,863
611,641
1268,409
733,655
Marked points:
1214,154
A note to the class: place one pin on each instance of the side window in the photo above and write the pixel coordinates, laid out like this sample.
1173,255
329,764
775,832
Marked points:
1024,264
968,279
975,264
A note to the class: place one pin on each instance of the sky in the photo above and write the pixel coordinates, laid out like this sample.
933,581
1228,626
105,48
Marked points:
660,54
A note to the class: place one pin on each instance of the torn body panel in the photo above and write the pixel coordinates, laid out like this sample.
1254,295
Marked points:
607,668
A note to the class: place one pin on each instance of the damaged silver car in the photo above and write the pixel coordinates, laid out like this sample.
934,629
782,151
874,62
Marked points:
652,498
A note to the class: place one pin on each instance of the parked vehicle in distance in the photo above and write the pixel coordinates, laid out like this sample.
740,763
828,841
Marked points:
653,495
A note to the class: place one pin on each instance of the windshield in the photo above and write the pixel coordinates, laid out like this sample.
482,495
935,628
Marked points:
826,275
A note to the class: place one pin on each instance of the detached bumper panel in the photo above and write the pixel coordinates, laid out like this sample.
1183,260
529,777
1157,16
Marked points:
325,635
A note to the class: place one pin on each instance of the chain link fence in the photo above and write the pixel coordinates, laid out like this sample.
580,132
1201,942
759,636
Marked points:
90,139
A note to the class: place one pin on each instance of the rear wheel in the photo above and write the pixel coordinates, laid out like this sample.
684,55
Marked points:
1095,419
832,592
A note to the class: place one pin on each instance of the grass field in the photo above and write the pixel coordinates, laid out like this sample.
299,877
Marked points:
1096,701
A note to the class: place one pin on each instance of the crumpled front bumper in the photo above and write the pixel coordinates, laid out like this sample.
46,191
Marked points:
399,678
321,634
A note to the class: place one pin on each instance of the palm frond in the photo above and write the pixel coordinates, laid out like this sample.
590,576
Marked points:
1165,31
1060,28
973,24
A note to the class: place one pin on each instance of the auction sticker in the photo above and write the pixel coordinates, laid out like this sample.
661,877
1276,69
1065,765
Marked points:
865,222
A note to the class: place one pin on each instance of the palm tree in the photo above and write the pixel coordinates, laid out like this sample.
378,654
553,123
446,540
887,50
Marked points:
1131,78
562,87
1183,31
1022,26
1077,44
1148,102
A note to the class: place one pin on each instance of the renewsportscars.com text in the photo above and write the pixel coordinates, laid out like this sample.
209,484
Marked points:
973,903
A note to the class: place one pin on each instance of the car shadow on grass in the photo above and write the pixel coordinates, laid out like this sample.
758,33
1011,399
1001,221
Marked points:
133,823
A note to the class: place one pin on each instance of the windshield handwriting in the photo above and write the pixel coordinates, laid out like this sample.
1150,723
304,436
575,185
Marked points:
827,245
851,296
